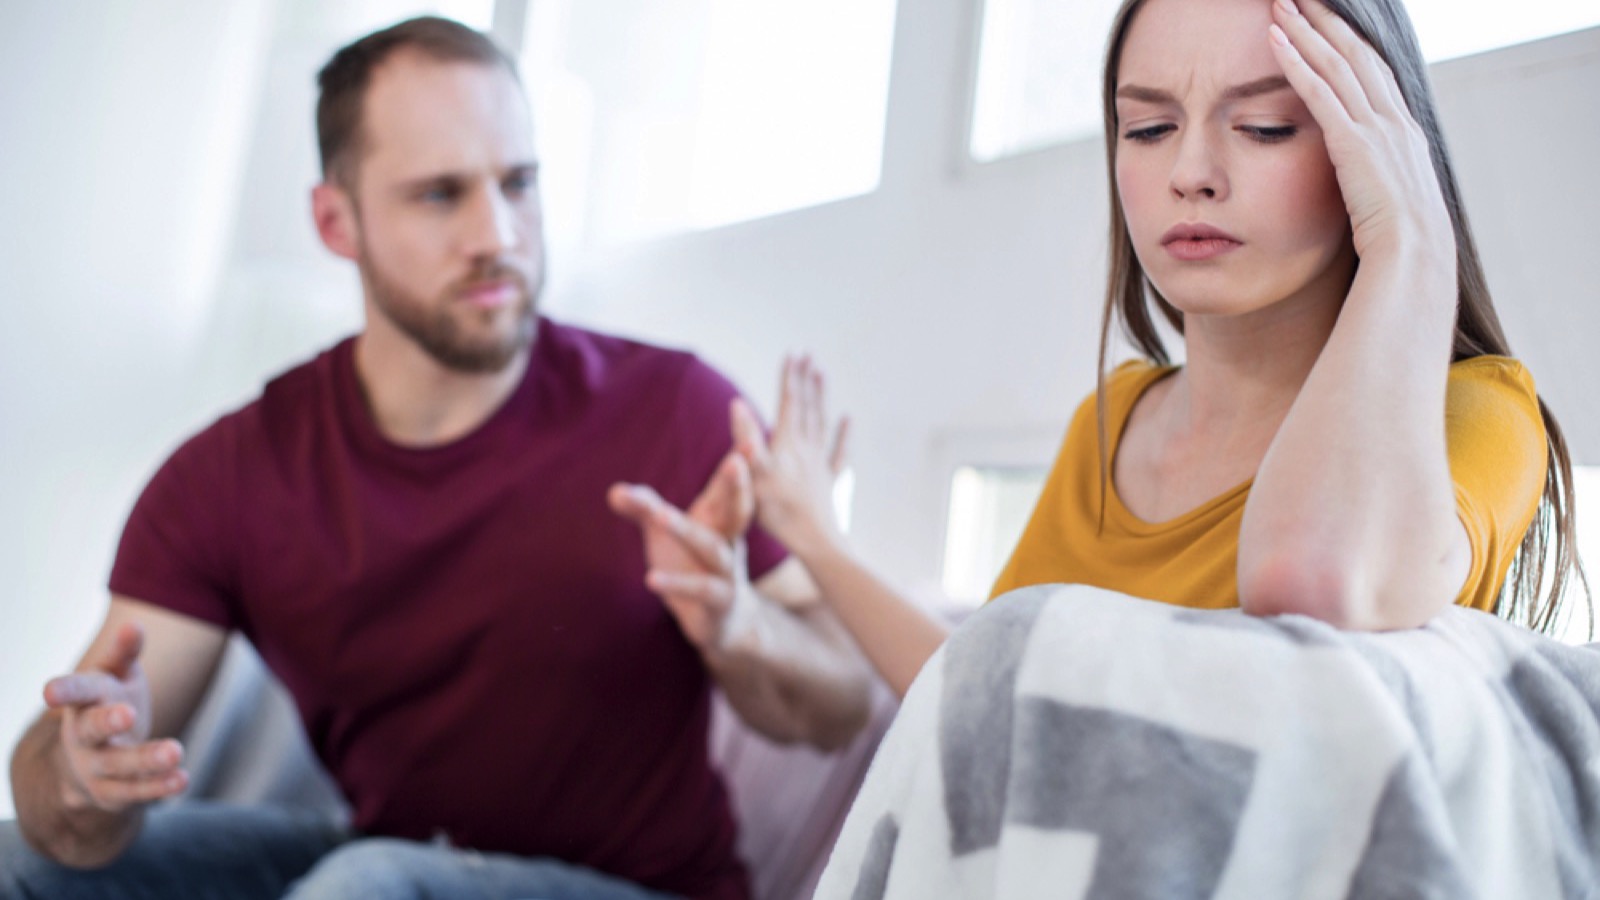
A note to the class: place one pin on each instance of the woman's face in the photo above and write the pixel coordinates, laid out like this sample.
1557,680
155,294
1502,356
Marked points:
1225,182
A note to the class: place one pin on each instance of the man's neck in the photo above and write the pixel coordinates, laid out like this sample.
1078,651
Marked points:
415,401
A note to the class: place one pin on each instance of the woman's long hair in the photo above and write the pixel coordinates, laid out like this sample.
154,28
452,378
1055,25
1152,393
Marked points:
1547,553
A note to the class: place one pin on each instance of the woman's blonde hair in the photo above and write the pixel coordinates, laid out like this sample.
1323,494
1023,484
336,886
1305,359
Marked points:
1130,296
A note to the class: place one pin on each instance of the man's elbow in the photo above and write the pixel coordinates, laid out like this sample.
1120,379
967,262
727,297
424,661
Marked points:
836,726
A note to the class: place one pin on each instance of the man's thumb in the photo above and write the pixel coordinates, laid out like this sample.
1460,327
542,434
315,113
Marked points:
121,652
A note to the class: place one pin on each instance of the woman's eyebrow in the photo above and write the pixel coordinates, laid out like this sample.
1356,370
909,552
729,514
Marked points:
1256,88
1238,92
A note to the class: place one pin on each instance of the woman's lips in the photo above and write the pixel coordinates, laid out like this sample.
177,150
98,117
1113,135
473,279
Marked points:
1197,249
1194,241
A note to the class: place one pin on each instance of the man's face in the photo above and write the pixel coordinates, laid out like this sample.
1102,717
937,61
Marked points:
448,231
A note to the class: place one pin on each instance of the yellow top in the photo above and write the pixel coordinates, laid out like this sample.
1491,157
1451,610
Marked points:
1496,444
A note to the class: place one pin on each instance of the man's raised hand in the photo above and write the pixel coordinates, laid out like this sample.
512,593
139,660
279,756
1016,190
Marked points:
696,558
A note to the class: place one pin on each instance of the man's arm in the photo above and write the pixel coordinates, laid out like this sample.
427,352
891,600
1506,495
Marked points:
792,670
104,748
784,661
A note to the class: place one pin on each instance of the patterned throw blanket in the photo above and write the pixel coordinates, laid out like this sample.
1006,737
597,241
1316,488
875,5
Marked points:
1070,742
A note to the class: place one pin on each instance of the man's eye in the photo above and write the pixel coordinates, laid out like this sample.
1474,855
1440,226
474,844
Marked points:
438,195
518,184
1148,134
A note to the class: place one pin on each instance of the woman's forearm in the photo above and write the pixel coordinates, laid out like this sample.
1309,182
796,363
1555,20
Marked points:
896,635
1351,518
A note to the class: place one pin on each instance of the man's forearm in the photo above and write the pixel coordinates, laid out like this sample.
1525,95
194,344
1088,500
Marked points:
793,676
85,837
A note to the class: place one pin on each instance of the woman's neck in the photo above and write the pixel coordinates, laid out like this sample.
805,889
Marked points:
1242,373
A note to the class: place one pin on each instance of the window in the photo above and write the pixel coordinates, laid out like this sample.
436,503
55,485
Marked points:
1038,73
1451,28
1038,79
660,118
989,507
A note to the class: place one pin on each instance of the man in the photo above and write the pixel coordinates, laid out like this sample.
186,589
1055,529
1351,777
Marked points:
413,530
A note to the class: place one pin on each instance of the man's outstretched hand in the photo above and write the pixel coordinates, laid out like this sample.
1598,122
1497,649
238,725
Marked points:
110,764
695,559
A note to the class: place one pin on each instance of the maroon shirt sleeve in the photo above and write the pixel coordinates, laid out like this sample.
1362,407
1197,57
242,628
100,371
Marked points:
176,549
703,403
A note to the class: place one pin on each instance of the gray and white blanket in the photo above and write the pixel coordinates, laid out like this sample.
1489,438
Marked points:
1069,742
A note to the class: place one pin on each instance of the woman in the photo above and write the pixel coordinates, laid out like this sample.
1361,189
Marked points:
1282,195
1284,199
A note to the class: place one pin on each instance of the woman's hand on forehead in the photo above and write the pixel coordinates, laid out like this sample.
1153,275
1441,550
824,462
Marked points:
1378,150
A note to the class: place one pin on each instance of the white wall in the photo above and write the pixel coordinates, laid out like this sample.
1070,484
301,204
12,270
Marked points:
159,264
120,126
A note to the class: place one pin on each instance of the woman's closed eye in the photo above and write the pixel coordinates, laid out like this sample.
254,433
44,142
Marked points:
1269,134
1149,134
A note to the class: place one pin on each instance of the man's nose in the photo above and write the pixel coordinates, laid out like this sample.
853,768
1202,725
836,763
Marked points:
1197,171
491,226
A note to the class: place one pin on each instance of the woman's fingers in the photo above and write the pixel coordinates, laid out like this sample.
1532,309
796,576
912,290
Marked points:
789,399
1318,73
749,440
1376,78
1363,82
841,440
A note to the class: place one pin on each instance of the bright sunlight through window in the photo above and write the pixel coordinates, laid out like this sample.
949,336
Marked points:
989,506
671,117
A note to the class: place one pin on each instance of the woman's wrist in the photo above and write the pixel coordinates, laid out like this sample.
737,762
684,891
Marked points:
815,545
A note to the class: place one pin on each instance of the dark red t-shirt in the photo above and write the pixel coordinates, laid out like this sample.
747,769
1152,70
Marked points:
465,628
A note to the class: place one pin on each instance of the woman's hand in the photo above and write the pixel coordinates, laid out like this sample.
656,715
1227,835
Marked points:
1378,150
793,473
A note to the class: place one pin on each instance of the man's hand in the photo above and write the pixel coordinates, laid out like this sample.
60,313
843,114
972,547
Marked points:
696,558
105,722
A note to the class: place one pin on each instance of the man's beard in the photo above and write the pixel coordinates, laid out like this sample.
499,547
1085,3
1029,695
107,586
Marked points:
437,329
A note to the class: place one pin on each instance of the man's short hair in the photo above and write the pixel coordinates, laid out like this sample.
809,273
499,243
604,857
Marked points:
344,80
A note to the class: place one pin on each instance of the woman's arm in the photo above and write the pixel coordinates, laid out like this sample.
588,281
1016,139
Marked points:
793,476
1352,515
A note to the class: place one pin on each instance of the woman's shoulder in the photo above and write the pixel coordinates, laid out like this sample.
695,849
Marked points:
1493,422
1491,386
1491,367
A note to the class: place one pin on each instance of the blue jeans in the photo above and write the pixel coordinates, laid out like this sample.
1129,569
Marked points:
204,851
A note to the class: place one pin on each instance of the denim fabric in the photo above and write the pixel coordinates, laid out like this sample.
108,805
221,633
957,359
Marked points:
190,851
203,851
389,869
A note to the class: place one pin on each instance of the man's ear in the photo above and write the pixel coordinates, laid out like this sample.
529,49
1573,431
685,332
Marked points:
334,211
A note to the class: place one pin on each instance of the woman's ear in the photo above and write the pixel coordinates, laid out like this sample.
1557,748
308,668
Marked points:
334,211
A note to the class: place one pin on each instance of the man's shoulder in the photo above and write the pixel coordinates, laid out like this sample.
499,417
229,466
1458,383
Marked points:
565,343
284,407
610,363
